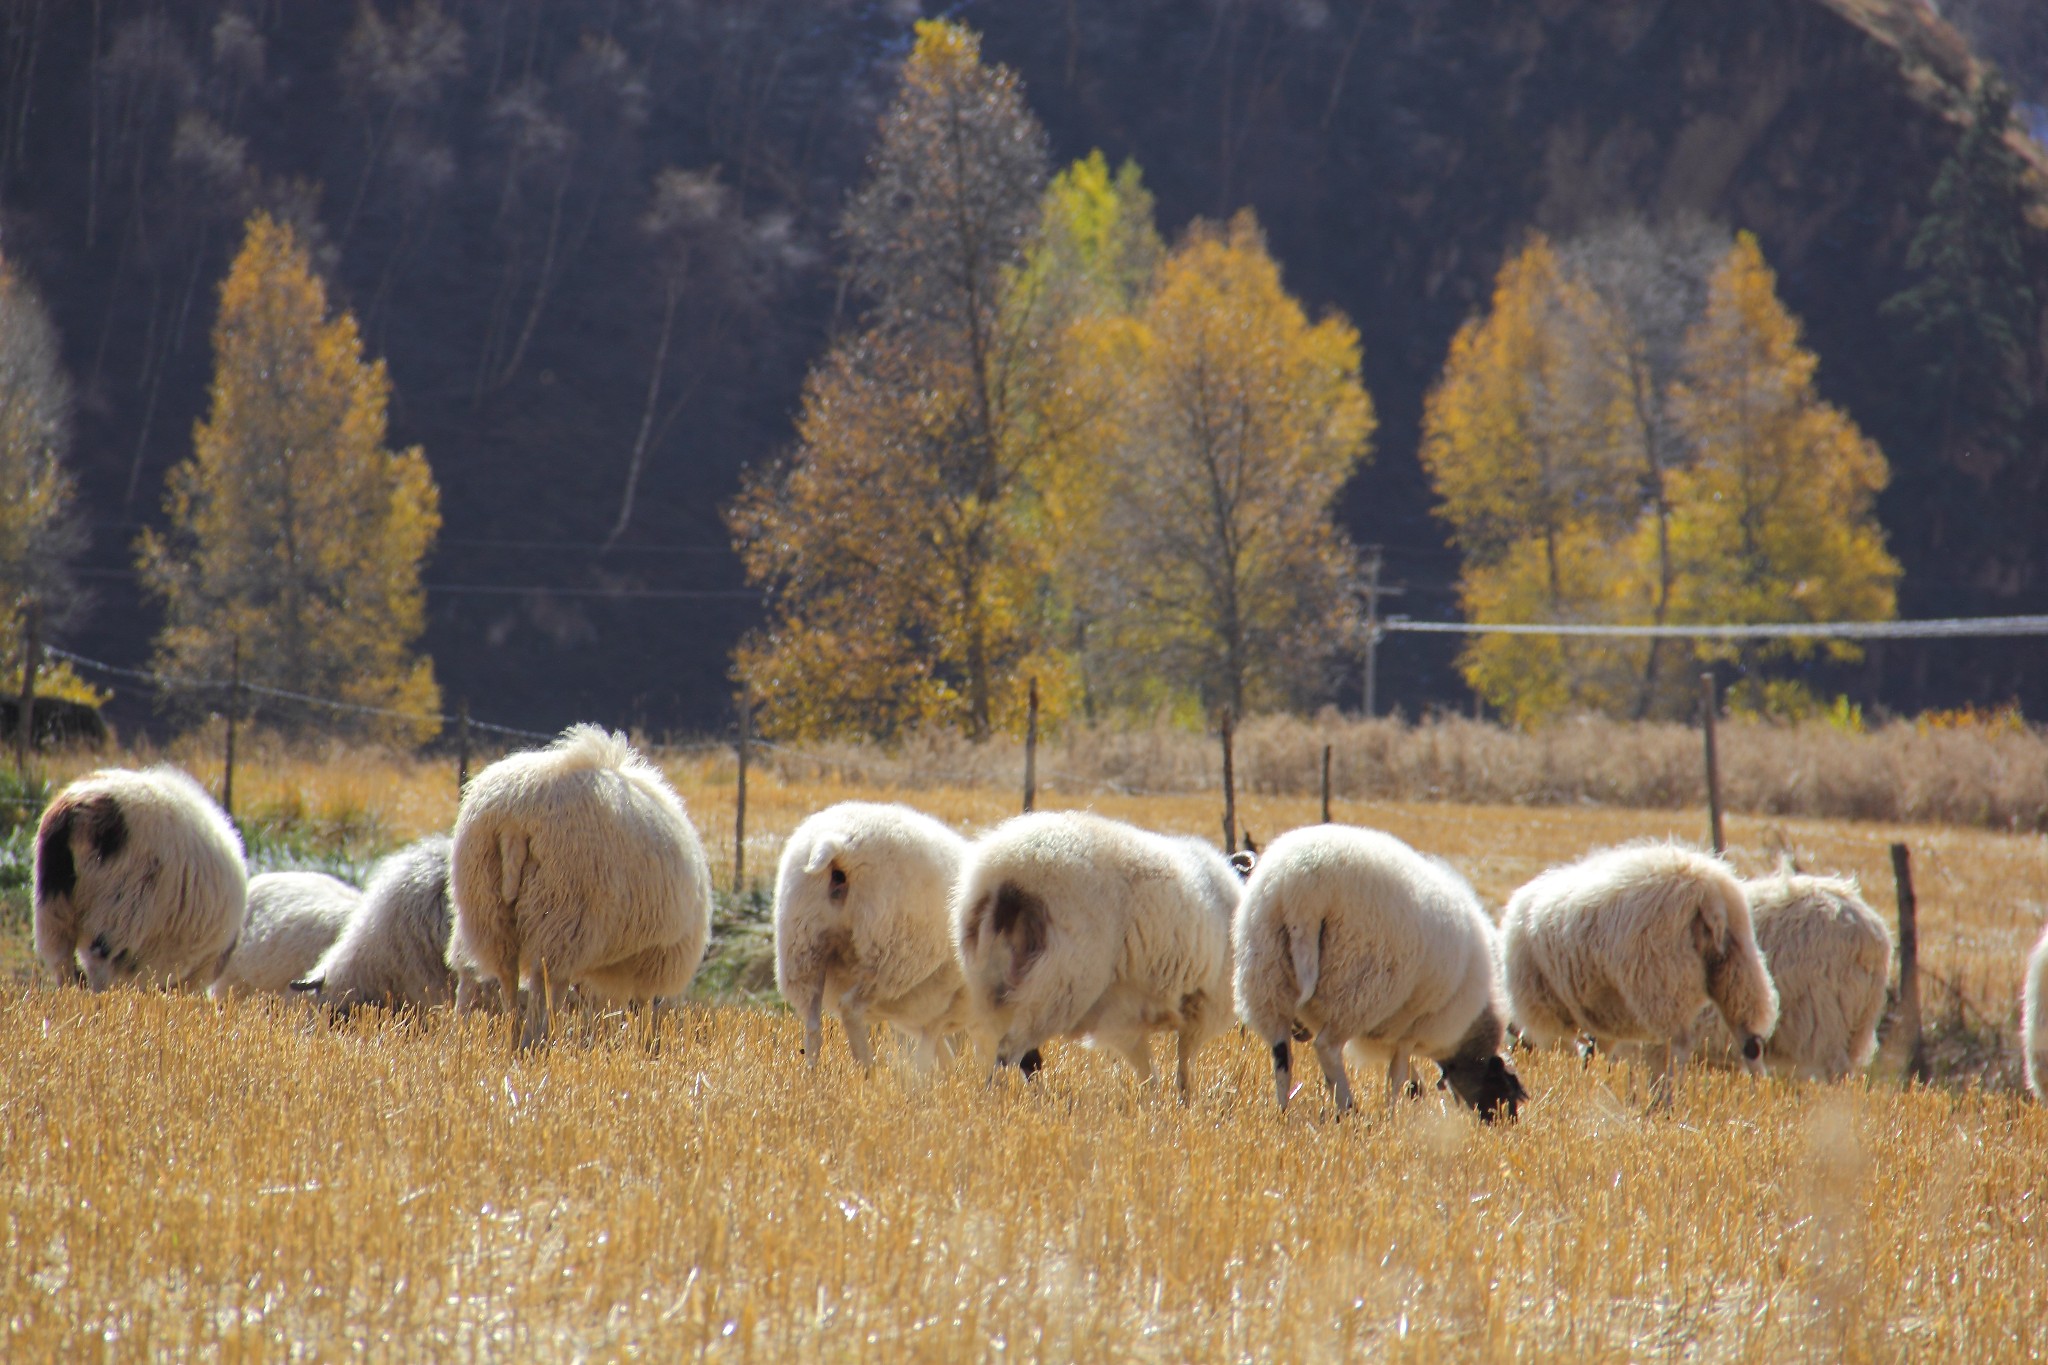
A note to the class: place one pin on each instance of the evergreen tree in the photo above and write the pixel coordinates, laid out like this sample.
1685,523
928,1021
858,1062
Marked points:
1974,313
294,533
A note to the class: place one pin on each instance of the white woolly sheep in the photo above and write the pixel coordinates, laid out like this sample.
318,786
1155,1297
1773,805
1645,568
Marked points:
862,918
1626,945
1070,924
394,952
1829,954
1355,937
575,865
137,874
293,918
2034,1019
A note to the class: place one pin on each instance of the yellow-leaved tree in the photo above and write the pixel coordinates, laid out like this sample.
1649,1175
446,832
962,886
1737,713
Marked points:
1603,458
1522,438
1774,514
895,542
1218,567
293,531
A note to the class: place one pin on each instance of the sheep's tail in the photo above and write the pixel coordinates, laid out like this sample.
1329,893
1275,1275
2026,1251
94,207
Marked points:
511,865
1307,952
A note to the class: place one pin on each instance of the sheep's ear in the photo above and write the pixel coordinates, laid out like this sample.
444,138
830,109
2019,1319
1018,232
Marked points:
822,854
302,987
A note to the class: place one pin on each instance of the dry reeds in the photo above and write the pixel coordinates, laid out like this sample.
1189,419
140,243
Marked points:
1992,776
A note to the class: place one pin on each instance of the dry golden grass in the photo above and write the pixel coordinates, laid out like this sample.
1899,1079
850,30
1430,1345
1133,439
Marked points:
240,1181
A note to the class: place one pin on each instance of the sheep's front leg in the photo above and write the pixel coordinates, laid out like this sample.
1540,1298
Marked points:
1665,1081
854,1018
1330,1055
814,1025
1184,1070
1397,1074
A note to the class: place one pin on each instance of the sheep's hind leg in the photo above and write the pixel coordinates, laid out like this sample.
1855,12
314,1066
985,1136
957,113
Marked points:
1330,1055
544,997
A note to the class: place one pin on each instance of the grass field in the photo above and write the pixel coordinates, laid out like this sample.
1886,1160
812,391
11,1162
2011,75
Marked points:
236,1180
239,1180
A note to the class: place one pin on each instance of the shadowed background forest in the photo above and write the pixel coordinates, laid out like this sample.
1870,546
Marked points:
481,181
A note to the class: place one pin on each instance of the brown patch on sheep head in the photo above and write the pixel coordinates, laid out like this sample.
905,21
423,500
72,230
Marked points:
95,823
1740,987
1018,917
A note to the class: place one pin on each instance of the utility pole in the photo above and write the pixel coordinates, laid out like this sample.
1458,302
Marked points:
1375,560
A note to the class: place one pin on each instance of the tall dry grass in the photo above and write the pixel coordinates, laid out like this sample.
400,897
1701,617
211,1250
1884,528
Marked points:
192,1179
1990,775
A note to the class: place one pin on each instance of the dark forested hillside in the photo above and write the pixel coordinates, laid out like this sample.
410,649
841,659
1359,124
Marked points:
594,234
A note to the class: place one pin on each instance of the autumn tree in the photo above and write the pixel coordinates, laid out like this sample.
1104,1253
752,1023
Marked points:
1632,437
1776,517
39,532
894,541
1221,569
294,533
1523,440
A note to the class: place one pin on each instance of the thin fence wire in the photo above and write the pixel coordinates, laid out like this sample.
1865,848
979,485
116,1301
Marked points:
1954,628
168,680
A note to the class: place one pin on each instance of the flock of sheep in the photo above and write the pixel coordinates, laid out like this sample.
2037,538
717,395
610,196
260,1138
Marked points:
576,867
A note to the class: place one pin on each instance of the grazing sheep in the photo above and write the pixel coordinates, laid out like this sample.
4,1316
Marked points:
2034,1015
575,865
862,917
1070,924
137,874
293,918
1829,954
394,952
1627,945
1356,937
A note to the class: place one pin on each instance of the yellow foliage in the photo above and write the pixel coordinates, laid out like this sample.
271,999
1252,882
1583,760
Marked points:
1534,441
1774,517
1217,565
1989,720
293,530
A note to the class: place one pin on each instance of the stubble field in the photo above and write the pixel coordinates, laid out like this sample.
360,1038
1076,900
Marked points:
241,1180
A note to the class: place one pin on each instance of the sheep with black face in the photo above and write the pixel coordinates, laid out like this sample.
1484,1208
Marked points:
1353,938
1628,945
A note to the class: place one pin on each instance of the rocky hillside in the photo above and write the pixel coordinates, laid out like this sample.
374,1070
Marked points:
480,172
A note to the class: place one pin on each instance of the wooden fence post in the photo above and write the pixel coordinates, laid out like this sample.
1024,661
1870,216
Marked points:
739,813
1031,748
227,776
25,713
1229,789
1709,705
461,747
1326,784
1906,1031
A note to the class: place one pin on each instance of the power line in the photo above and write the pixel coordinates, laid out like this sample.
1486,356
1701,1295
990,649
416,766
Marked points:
520,590
1956,628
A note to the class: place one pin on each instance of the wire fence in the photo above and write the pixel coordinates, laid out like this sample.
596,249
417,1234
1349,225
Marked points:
173,681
